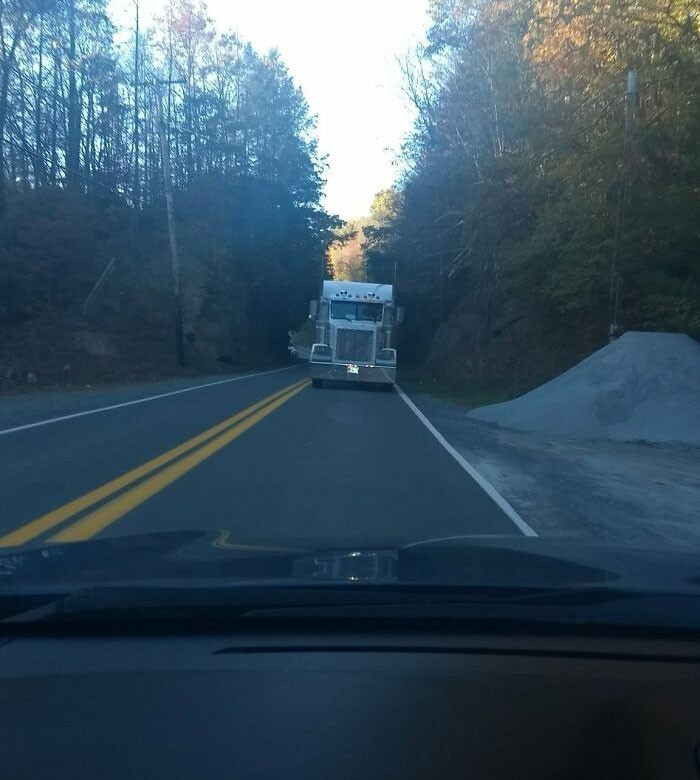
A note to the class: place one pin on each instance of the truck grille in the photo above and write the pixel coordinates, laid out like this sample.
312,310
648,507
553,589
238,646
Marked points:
354,344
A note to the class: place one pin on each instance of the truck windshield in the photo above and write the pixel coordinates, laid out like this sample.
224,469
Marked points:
367,312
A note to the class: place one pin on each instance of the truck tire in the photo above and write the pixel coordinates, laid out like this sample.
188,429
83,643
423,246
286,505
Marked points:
317,383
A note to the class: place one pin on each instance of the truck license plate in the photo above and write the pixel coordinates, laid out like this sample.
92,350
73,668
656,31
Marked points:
353,369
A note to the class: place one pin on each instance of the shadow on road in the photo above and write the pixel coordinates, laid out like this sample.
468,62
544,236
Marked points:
356,387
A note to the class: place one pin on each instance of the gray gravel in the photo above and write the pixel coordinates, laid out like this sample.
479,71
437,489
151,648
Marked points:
644,386
603,491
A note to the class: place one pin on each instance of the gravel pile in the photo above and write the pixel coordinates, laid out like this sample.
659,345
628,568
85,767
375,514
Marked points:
644,386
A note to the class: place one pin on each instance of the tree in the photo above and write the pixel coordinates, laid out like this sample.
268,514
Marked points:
80,138
504,235
346,254
16,19
380,263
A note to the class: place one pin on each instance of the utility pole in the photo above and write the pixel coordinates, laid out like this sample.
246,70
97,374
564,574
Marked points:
175,261
614,301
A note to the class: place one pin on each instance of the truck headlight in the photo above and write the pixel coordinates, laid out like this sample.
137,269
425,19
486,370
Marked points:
386,357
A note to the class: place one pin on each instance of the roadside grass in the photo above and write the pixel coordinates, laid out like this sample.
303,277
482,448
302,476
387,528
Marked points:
119,376
468,395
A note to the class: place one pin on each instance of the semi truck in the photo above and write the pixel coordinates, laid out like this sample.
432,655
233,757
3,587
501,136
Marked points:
354,341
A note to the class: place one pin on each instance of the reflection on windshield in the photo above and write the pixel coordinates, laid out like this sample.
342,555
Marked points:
365,312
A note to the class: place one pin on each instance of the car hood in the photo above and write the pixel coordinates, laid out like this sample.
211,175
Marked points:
211,558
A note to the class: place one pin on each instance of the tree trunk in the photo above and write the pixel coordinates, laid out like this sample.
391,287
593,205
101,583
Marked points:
4,86
137,175
73,141
24,158
7,62
89,153
39,164
54,121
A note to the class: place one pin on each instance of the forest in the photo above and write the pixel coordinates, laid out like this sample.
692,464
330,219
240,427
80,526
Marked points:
550,198
546,207
89,112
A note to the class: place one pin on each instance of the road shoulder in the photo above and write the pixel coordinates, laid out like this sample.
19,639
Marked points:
31,408
601,491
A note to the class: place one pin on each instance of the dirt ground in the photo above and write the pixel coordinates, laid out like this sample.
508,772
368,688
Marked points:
602,491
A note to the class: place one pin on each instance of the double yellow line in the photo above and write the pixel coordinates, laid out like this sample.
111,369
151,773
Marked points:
151,477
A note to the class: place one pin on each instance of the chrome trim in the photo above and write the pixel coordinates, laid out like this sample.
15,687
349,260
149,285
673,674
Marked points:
338,372
354,345
321,353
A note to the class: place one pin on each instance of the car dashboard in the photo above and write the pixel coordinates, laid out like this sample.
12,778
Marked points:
364,703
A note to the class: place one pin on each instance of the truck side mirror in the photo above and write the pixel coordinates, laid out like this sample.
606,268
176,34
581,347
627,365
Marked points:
399,314
313,309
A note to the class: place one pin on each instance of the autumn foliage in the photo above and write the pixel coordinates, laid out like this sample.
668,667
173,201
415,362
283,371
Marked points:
511,203
81,189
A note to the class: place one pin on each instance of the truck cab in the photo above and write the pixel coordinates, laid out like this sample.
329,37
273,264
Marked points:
355,324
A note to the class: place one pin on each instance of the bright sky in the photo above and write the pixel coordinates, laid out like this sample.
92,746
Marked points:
342,53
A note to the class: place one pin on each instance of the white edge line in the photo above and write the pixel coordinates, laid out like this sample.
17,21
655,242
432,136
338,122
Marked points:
52,420
483,483
458,536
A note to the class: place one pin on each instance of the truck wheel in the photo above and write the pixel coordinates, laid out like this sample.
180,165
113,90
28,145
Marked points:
317,382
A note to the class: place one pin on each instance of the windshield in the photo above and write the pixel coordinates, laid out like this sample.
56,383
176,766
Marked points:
201,202
349,310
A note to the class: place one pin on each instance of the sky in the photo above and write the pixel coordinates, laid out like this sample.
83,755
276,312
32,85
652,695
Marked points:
343,54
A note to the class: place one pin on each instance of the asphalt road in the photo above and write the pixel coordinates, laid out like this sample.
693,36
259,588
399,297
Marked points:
266,460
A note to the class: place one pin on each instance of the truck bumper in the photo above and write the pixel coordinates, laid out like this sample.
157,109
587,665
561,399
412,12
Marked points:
340,372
